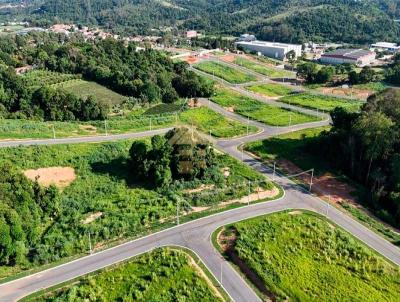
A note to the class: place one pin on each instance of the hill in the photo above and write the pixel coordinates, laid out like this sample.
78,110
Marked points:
352,21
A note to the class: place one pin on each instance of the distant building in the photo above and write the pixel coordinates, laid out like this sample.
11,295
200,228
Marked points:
247,38
385,46
358,57
271,49
191,34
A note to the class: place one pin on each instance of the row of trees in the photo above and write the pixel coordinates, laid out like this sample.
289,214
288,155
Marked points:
366,146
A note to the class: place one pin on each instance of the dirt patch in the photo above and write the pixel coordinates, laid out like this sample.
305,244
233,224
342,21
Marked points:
258,195
61,177
191,60
347,92
194,103
230,109
227,240
226,171
295,213
228,58
92,217
88,128
199,189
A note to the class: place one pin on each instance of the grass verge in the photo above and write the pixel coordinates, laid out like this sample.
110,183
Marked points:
225,72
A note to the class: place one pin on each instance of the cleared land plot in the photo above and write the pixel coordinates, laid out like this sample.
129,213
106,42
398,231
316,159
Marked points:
38,78
83,89
304,257
161,275
207,120
296,150
264,69
321,102
271,90
270,115
225,72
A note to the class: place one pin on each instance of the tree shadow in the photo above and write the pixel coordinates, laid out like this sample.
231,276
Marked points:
121,170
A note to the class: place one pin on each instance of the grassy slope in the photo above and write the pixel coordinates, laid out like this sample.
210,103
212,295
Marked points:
264,69
308,259
161,275
205,120
271,90
83,89
256,110
320,102
225,72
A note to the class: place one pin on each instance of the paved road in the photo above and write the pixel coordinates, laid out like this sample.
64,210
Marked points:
195,235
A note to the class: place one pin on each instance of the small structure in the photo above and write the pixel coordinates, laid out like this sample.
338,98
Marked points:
190,150
247,38
385,46
23,69
191,34
270,49
359,57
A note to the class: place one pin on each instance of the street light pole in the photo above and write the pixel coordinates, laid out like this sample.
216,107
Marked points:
90,244
312,176
273,174
177,211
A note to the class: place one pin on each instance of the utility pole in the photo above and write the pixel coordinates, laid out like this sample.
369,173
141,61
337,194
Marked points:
290,119
312,176
210,132
54,133
248,122
248,197
177,211
90,244
105,126
150,124
273,174
221,273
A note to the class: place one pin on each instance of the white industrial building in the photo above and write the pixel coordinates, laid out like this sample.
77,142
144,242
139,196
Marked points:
358,57
270,49
385,46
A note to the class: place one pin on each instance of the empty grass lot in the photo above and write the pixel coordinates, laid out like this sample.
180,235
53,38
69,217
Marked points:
301,256
83,89
270,115
205,120
271,90
320,102
264,69
225,72
161,275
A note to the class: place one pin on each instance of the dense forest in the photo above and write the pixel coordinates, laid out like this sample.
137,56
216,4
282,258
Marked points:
366,146
143,75
290,21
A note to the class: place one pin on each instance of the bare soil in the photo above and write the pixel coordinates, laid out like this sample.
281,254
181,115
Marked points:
61,177
92,217
348,92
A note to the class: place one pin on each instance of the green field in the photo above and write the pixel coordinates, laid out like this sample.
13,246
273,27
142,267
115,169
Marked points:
225,72
264,69
37,78
320,102
303,257
375,86
271,90
207,120
160,275
270,115
23,129
83,89
105,184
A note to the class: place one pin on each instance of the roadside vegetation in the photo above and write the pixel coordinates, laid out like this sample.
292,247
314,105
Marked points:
271,90
209,121
270,115
303,257
264,69
320,102
96,189
225,72
161,275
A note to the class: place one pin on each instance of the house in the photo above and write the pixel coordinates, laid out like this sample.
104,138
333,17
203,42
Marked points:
359,57
385,46
191,34
270,49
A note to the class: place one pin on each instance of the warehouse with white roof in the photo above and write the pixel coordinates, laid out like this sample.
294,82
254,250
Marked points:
270,49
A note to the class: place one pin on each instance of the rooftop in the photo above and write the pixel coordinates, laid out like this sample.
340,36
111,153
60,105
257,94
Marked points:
348,53
265,43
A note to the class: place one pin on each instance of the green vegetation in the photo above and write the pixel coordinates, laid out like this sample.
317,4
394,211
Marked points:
207,120
303,257
294,146
375,86
105,185
264,69
321,102
84,89
38,78
271,90
256,110
225,72
161,275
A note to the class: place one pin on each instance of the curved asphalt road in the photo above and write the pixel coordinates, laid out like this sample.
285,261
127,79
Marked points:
195,235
